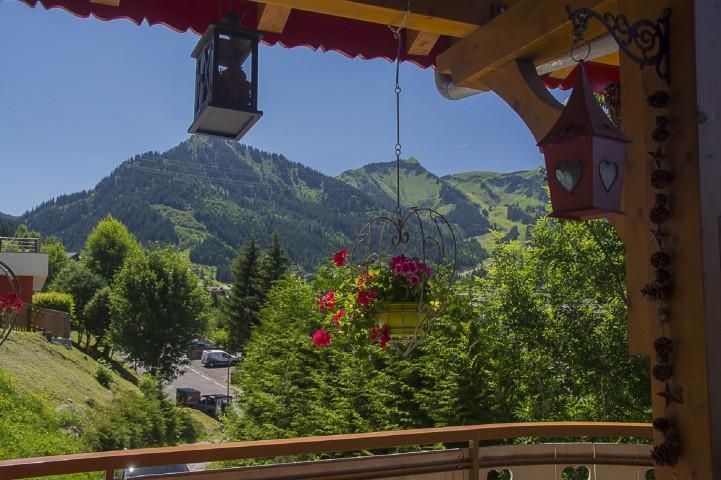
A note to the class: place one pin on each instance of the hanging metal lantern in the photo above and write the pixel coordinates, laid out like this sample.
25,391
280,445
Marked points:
226,81
585,157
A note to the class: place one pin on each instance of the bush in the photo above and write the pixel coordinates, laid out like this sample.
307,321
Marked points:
137,421
104,376
62,302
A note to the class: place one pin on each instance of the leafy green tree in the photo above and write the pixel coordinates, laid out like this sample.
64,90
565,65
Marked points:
23,231
273,264
107,247
158,307
82,284
57,258
97,315
243,302
542,336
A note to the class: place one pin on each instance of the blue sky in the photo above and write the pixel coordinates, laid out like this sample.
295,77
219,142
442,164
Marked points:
79,96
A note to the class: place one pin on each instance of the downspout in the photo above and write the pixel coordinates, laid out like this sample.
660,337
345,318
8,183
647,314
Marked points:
600,46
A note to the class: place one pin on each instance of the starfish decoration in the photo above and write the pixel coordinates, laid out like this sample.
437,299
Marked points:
671,394
658,235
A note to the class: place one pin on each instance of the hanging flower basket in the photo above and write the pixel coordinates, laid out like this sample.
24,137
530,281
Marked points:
386,297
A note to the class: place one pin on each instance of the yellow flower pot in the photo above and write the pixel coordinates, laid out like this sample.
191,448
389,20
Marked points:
402,319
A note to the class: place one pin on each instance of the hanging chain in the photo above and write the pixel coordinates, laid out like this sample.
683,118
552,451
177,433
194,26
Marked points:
398,148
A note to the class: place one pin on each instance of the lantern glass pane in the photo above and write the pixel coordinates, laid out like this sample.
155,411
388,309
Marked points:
234,72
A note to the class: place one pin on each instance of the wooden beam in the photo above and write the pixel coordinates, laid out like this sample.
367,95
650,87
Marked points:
456,18
519,85
110,3
272,18
531,30
420,43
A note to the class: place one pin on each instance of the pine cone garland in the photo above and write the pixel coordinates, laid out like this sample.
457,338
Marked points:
658,99
665,454
662,424
660,134
662,371
661,179
659,214
660,200
660,260
663,346
656,292
661,275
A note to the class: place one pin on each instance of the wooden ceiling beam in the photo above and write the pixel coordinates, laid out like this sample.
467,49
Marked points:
530,30
420,43
272,18
456,18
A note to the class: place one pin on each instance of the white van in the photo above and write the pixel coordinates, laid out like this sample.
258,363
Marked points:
217,358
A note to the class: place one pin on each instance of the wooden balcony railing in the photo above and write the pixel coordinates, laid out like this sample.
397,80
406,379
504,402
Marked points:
19,245
472,463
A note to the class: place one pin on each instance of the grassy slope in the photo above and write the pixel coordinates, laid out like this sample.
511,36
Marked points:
60,377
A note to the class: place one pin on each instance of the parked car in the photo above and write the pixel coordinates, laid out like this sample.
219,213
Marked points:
217,358
140,472
186,396
212,405
197,346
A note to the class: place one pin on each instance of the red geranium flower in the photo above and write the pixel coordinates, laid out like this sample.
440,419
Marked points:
321,338
338,315
374,334
11,300
326,302
365,297
339,258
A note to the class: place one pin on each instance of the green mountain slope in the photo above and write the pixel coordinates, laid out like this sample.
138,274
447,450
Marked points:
210,196
477,202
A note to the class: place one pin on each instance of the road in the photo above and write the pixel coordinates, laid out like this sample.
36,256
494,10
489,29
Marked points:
207,380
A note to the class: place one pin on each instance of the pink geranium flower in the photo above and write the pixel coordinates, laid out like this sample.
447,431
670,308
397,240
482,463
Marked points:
365,297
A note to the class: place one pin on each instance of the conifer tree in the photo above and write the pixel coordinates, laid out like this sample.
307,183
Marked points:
272,265
243,302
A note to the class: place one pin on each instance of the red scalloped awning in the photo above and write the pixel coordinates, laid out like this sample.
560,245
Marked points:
351,38
600,75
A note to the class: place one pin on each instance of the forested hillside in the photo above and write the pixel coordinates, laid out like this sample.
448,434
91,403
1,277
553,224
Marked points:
209,197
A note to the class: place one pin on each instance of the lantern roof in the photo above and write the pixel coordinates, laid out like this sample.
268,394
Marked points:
582,116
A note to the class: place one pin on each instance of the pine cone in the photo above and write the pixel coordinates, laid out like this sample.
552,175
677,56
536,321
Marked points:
665,454
660,179
658,99
659,215
662,371
660,260
662,424
663,346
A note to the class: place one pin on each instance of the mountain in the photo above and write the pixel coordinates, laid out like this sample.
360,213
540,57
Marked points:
210,196
479,203
8,225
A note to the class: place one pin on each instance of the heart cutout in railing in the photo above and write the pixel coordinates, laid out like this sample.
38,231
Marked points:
503,474
608,172
575,473
568,175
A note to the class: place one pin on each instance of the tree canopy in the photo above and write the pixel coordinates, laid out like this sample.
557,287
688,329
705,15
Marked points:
107,246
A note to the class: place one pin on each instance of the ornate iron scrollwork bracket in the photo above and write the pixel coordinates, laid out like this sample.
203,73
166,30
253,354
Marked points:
645,41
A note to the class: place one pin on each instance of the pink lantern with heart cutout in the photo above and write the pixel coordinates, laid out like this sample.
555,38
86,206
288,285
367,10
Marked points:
585,154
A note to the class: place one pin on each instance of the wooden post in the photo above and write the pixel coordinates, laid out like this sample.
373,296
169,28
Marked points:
694,158
474,464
